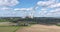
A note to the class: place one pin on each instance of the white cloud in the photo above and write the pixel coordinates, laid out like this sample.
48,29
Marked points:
53,13
55,10
8,2
5,9
24,9
53,4
54,0
27,11
43,12
45,3
41,3
49,3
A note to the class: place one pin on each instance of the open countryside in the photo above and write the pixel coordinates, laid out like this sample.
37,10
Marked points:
29,15
37,24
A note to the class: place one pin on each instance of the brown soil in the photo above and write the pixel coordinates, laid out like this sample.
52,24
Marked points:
40,28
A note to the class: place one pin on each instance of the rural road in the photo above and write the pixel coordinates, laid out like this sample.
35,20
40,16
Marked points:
40,28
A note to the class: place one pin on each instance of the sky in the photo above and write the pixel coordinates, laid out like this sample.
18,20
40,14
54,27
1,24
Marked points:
36,8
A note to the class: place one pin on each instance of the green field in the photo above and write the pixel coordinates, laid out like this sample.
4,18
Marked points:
8,29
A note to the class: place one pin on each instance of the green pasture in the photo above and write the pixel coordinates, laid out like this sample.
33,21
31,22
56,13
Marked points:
9,29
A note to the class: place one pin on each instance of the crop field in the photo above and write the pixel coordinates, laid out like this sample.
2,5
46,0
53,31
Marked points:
5,27
8,29
40,28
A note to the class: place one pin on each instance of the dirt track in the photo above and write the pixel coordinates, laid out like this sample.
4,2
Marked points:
40,28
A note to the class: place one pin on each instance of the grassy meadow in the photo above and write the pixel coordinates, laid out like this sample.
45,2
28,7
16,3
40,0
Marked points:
8,29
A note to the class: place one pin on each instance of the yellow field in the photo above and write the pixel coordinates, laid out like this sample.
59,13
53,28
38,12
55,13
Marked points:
40,28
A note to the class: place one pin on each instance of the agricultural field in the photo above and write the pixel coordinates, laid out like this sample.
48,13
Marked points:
40,28
29,25
8,29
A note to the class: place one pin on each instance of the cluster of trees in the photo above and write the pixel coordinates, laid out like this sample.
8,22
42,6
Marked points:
47,20
37,20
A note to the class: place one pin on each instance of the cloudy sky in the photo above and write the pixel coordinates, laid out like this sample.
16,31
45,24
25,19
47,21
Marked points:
36,8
